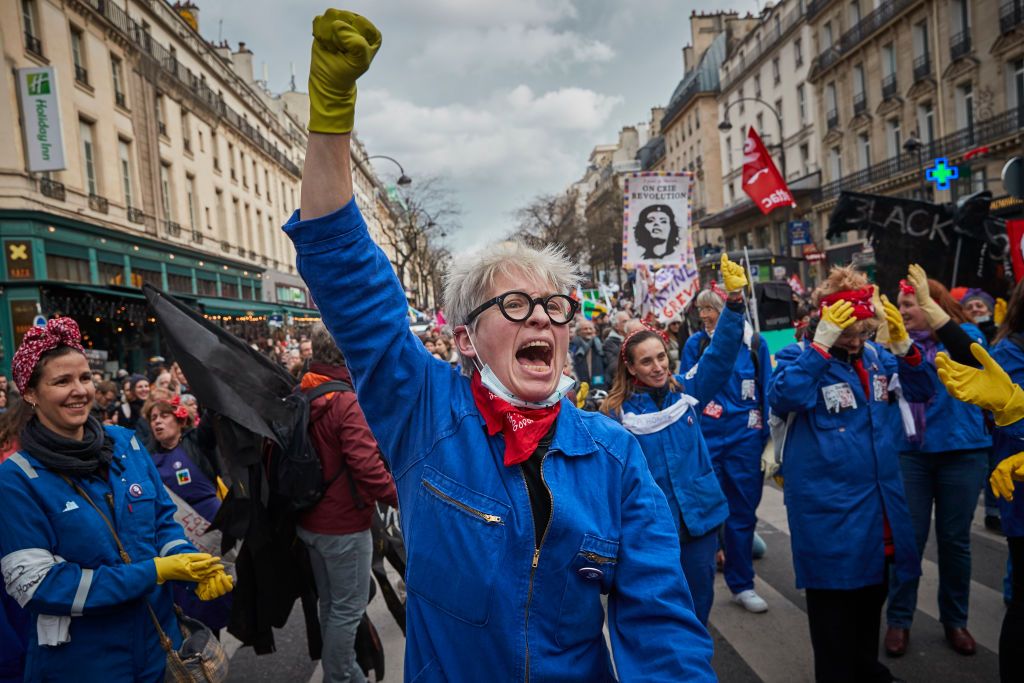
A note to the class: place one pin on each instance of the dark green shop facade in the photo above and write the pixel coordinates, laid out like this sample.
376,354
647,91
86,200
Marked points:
54,265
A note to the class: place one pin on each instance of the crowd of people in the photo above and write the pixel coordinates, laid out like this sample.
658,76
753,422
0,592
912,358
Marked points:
551,469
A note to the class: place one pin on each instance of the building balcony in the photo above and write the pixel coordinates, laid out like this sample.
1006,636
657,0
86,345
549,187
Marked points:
832,119
81,74
136,215
52,189
197,236
889,87
922,68
241,251
860,104
172,229
815,6
119,100
1011,15
33,44
99,203
225,246
982,133
860,32
960,45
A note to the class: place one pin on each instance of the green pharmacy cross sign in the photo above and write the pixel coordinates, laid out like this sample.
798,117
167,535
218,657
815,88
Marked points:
942,173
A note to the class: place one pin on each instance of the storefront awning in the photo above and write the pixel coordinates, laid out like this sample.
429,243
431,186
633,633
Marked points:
233,307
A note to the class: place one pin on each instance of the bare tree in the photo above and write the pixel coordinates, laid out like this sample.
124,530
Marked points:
552,219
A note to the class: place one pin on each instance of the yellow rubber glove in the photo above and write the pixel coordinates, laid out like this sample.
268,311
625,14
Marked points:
1011,469
222,489
899,338
834,319
215,586
733,276
581,395
344,44
989,387
933,313
999,313
186,567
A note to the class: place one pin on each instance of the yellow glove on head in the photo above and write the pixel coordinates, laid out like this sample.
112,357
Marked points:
988,387
933,313
214,586
899,338
834,319
1011,469
999,314
186,567
581,394
344,44
733,276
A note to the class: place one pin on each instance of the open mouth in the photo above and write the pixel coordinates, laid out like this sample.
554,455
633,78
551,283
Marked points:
535,356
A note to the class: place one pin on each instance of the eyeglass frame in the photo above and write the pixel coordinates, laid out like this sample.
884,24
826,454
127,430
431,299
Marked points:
499,300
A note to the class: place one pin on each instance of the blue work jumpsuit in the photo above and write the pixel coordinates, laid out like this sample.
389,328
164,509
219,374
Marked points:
60,562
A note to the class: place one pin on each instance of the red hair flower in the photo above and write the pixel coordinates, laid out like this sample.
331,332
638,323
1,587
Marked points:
181,412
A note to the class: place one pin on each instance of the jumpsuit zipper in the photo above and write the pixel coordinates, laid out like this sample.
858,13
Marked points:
536,554
490,519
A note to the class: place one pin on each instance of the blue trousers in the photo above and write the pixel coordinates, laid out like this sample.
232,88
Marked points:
951,481
739,475
697,555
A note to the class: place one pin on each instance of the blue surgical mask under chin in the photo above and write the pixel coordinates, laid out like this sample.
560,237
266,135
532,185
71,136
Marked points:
982,319
491,381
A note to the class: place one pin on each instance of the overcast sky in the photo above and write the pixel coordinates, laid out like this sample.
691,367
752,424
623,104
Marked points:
506,98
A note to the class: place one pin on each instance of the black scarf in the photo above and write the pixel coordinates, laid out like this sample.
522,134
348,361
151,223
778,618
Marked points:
68,456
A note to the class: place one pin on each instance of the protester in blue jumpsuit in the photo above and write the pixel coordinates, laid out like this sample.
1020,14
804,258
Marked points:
520,510
944,465
663,412
734,425
844,499
86,599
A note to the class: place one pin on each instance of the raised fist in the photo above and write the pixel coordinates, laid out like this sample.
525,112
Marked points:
344,44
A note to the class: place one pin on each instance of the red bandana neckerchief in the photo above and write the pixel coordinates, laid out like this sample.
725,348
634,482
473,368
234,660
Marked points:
523,427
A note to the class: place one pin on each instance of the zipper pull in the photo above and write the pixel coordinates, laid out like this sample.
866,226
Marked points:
536,557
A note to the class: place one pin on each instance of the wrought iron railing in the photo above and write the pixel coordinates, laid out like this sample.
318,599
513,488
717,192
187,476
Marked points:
81,74
922,67
960,45
197,236
33,44
1011,15
52,189
860,103
119,99
173,229
225,246
99,203
832,119
757,49
860,32
889,87
136,215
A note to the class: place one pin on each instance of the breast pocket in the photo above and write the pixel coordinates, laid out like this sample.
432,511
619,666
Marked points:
591,573
136,520
457,538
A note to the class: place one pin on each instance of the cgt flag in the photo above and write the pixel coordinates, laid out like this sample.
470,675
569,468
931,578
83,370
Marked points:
761,179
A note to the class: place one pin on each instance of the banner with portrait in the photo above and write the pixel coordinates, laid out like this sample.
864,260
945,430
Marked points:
656,220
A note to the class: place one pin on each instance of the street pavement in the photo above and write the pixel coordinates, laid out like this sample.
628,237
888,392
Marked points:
771,647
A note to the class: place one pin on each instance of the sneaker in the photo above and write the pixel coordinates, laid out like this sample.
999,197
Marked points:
751,601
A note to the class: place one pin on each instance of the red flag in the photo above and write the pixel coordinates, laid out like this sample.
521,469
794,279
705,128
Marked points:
761,180
1015,231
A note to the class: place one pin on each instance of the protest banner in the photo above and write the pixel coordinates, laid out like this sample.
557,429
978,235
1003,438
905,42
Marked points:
656,220
761,178
666,292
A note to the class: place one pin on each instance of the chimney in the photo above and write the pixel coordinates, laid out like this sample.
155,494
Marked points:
242,62
223,51
188,11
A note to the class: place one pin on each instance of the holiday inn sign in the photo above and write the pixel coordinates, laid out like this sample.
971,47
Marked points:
40,117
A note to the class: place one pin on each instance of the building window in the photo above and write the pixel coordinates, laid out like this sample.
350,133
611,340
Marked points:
190,195
835,164
78,55
801,103
266,184
858,83
238,220
215,150
161,123
921,42
67,269
117,76
206,287
854,13
757,85
894,137
759,122
863,151
778,110
231,161
826,36
926,122
965,106
888,60
979,178
186,131
28,18
179,283
88,156
960,17
111,273
165,190
1015,86
149,276
241,162
229,290
805,158
728,152
776,71
222,219
798,52
124,157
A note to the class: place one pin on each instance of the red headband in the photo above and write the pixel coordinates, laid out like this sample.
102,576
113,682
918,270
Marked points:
863,308
645,328
39,340
906,287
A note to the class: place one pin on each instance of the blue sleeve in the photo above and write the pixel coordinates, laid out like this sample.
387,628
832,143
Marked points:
794,385
715,366
655,633
364,307
764,376
45,583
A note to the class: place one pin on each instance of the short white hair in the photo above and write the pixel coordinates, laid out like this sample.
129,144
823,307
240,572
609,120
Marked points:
710,299
470,280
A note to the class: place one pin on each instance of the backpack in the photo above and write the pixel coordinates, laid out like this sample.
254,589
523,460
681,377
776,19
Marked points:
296,471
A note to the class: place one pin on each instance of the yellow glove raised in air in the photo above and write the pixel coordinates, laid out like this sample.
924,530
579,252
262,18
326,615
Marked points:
899,338
933,313
999,313
344,44
214,586
733,276
581,394
988,387
834,319
186,567
1011,469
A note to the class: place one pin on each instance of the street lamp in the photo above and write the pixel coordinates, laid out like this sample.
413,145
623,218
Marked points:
725,126
911,146
402,179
